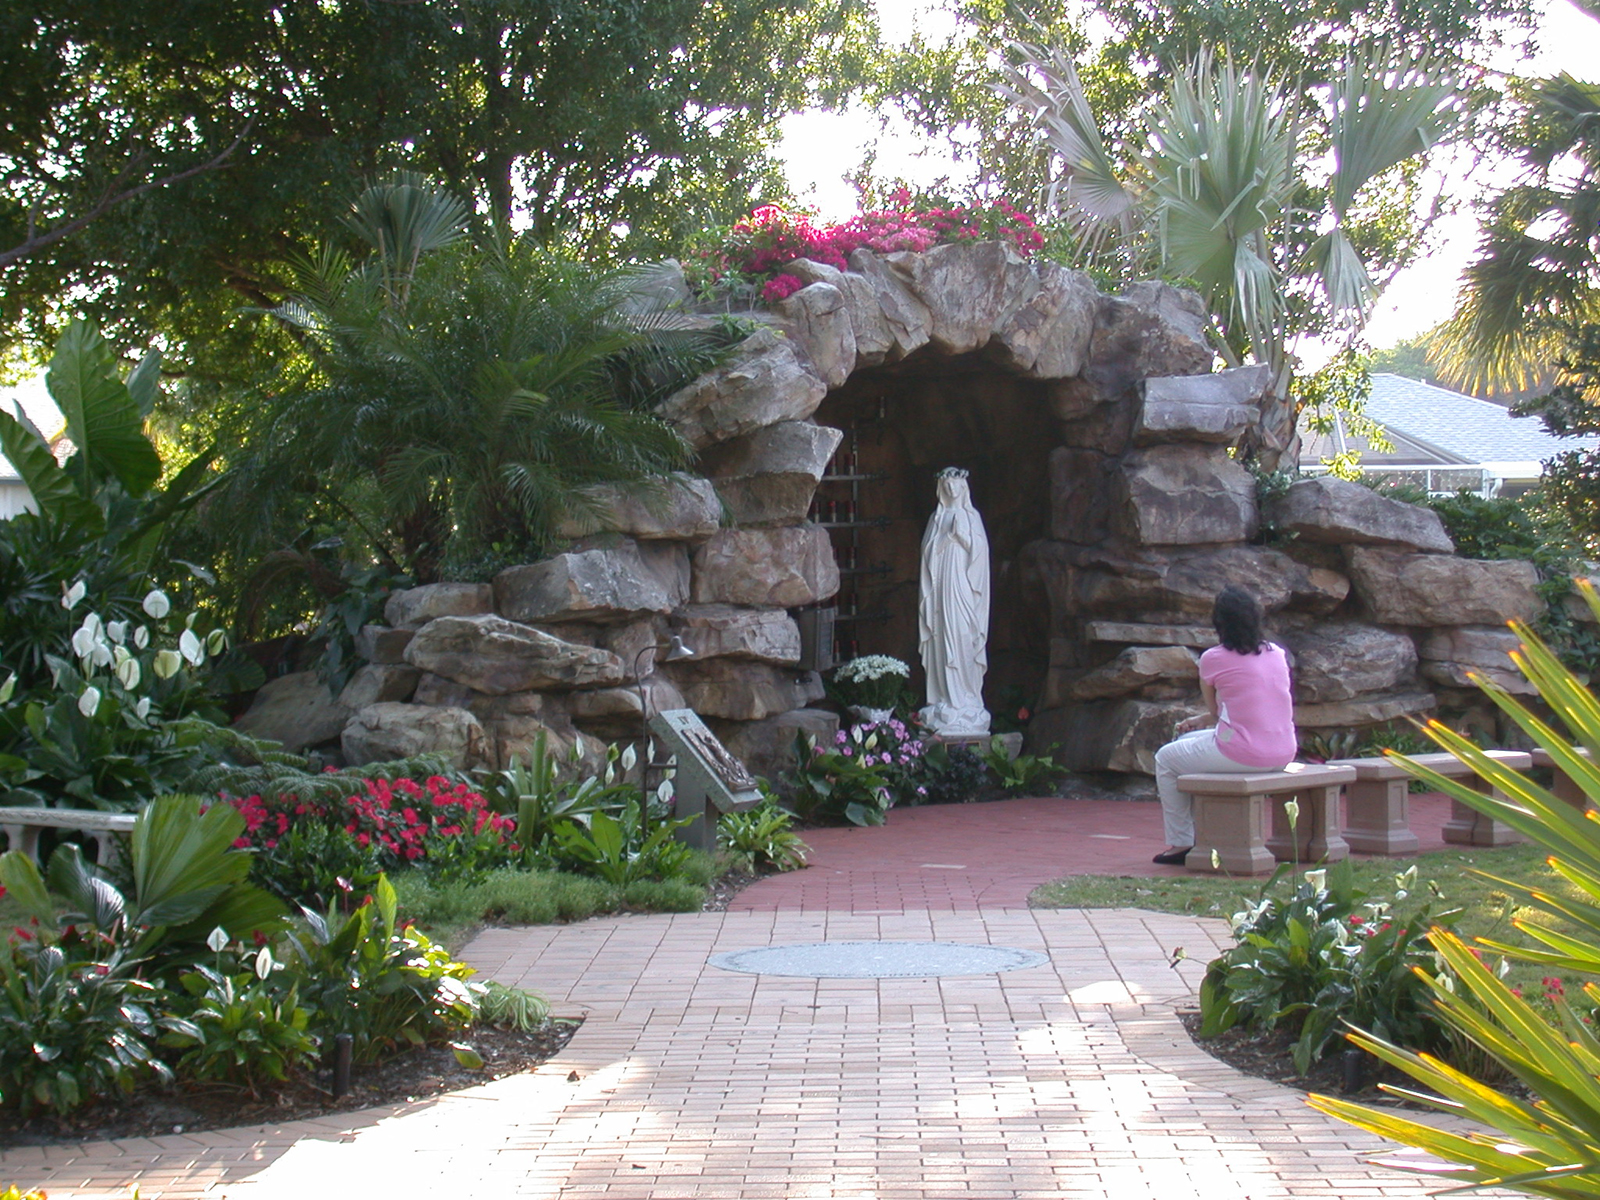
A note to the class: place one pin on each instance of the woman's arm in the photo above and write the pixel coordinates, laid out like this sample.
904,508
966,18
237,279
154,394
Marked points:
1189,724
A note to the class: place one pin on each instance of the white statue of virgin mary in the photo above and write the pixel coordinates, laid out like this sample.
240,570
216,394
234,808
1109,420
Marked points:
953,616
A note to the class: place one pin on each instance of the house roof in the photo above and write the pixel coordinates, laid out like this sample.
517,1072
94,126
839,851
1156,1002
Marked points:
1433,425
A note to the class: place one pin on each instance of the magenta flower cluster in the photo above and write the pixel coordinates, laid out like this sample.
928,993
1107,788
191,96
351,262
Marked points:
773,237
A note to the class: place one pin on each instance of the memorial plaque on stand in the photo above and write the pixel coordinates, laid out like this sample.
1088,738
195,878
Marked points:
709,780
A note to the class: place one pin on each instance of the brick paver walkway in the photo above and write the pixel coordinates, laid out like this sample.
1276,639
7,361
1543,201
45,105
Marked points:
685,1081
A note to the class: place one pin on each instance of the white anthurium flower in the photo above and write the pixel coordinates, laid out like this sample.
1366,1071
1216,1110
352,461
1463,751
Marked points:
100,655
216,641
83,643
1317,879
120,655
94,624
189,646
1291,809
72,596
156,604
117,631
629,757
217,939
89,702
141,637
610,775
264,963
188,622
167,663
128,673
142,709
1216,860
8,688
665,791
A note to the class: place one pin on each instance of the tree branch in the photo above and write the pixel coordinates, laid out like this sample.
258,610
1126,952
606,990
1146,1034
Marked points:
38,241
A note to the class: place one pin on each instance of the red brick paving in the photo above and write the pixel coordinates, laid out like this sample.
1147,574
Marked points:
957,857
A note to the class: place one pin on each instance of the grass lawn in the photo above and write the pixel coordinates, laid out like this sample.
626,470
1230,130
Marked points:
1487,910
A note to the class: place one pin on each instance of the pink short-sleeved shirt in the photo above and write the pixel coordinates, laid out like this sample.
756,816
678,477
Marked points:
1255,711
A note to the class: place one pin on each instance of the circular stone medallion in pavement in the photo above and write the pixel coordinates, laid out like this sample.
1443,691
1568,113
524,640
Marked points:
877,960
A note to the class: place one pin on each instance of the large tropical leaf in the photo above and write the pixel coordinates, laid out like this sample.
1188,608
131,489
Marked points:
103,421
1385,110
184,861
51,487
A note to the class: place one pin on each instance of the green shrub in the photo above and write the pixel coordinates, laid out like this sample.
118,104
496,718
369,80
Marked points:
1022,775
761,838
244,1026
618,850
664,895
1323,955
955,774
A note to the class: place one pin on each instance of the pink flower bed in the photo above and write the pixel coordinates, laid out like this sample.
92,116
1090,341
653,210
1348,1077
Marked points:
774,237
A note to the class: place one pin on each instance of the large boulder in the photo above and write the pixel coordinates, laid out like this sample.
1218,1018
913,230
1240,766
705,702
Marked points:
1340,660
1180,585
766,747
742,690
724,631
1201,408
1336,511
496,656
379,683
1449,654
679,507
1047,336
419,605
1134,669
297,710
1363,711
1186,496
884,311
381,732
766,568
513,737
604,584
967,288
624,704
1108,735
762,383
870,328
1402,588
819,324
769,477
1151,330
380,644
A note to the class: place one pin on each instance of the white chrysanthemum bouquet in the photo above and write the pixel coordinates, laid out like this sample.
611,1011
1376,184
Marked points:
872,681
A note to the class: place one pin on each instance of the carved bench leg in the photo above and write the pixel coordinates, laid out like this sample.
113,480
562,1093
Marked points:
1319,817
1565,789
1469,827
24,838
1235,827
1379,817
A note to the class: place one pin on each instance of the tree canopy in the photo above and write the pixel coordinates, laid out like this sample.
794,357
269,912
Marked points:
162,158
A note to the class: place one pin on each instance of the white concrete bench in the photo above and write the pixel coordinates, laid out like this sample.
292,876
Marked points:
1562,784
1231,817
22,825
1378,804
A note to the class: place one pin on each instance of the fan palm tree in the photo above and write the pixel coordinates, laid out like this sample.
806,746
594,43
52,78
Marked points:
1536,282
1218,190
456,395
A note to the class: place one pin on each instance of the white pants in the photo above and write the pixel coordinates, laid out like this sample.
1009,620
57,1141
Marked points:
1193,753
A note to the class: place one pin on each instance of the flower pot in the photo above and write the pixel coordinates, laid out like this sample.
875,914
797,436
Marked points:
876,715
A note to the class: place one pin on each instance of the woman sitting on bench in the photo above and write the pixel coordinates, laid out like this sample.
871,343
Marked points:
1250,726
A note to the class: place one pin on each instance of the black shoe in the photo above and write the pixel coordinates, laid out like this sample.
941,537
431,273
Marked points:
1173,858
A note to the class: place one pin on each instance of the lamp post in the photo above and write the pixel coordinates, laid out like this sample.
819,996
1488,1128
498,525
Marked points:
676,651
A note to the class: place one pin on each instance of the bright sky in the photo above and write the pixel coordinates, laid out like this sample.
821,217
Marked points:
820,148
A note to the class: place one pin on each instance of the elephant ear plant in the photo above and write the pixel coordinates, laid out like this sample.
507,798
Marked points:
1548,1145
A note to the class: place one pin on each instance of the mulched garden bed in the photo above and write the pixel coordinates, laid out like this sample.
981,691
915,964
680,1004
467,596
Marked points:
412,1075
1269,1056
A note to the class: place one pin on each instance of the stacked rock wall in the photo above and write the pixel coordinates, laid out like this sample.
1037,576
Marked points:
1142,516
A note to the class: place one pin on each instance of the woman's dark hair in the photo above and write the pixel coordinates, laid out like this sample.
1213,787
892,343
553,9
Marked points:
1237,619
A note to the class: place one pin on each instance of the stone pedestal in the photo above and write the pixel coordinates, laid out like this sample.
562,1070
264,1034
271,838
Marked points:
980,742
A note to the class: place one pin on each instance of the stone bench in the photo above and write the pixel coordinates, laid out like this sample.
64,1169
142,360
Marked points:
22,825
1231,817
1562,785
1378,804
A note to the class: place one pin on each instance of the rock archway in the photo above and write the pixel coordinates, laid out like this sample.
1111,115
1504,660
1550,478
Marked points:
1098,436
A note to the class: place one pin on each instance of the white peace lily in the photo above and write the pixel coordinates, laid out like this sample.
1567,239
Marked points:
1291,809
665,791
142,709
120,655
264,963
610,776
8,688
128,673
189,646
629,757
167,663
1317,879
89,702
1216,860
216,641
188,622
117,631
72,596
156,604
217,939
100,655
94,624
